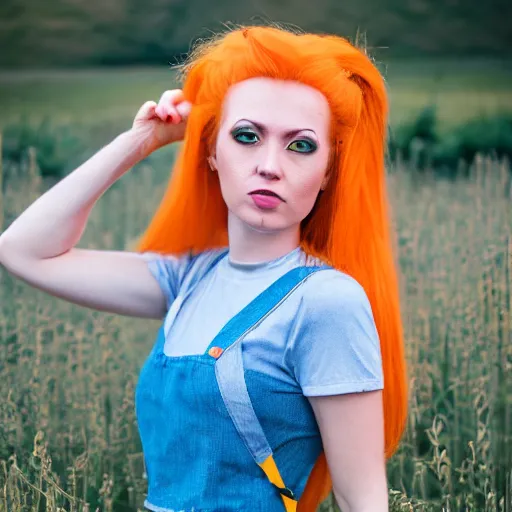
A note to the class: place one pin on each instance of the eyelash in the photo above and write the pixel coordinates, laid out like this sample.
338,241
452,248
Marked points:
242,131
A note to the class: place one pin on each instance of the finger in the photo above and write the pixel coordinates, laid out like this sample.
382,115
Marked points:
161,112
146,111
171,98
184,109
168,114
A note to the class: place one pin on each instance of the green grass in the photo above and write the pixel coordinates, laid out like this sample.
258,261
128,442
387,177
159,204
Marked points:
461,89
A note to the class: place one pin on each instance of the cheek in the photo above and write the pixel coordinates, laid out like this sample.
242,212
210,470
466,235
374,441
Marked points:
308,182
305,193
231,171
230,157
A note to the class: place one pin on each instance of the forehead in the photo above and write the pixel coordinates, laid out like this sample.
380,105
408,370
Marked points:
276,102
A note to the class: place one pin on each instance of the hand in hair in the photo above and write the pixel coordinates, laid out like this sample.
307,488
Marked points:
160,124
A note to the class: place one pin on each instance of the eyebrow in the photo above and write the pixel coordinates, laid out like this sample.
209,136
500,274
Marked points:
263,129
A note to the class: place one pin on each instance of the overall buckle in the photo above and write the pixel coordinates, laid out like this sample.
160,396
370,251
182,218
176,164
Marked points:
285,491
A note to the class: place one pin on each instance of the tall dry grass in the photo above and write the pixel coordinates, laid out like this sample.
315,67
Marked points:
68,436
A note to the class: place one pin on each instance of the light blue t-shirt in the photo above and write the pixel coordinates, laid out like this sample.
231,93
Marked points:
322,338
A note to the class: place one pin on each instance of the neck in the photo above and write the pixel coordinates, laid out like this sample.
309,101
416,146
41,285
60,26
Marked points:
248,245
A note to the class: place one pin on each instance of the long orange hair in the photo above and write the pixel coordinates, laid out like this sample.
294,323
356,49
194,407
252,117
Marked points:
349,226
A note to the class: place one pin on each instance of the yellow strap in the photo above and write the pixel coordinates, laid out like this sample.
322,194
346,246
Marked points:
270,468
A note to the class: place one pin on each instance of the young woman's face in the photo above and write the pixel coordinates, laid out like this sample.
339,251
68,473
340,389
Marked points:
273,137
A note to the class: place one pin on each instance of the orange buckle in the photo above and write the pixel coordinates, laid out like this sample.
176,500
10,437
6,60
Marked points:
215,352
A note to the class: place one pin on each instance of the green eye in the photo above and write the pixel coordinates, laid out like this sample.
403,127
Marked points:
302,146
245,136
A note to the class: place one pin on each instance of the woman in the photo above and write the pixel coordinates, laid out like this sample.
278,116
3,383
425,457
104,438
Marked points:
270,262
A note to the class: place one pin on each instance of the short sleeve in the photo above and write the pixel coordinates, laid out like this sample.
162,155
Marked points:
334,347
169,271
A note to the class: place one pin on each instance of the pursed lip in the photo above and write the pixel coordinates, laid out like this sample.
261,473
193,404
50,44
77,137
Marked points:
266,192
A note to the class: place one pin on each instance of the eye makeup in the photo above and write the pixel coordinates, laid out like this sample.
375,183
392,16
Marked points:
241,132
244,132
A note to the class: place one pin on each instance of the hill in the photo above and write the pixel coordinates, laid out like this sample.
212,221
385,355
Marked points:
77,33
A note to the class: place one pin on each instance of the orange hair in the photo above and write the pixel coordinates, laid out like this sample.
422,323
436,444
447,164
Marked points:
349,226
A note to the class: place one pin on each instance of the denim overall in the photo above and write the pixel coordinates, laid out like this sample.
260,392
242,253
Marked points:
204,447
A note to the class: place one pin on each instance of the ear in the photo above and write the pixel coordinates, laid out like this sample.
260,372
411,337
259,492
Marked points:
324,182
213,162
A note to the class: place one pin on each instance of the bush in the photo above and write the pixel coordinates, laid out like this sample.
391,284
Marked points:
56,146
420,142
416,138
490,136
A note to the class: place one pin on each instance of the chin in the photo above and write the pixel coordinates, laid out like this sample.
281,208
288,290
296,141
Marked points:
264,225
263,222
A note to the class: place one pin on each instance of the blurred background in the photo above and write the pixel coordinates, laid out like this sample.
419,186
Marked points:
91,64
73,73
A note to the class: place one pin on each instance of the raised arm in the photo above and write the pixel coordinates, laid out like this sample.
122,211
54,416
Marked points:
39,246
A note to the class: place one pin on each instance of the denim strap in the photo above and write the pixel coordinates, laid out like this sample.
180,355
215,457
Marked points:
229,368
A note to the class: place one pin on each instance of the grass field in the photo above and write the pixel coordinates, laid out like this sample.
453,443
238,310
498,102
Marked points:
461,89
68,436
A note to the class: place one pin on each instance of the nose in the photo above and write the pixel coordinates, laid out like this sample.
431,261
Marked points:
268,165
